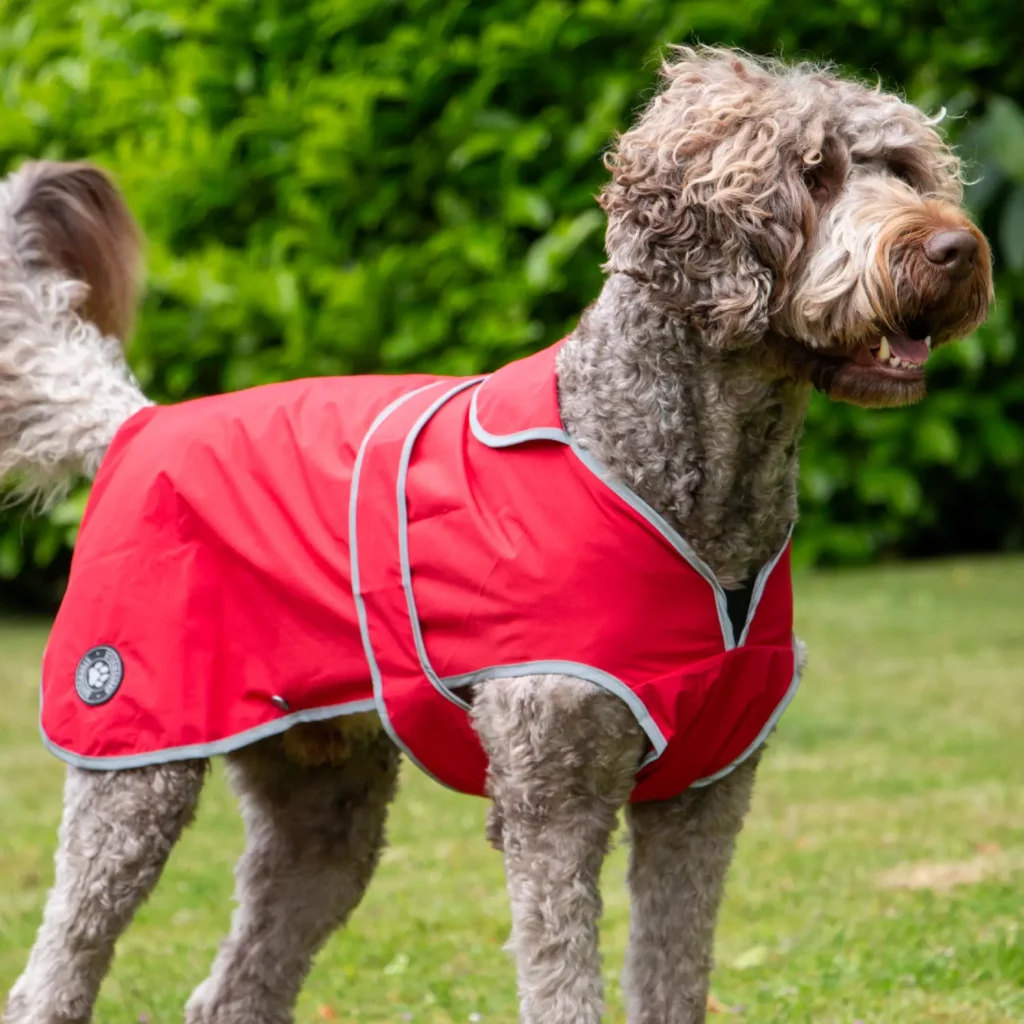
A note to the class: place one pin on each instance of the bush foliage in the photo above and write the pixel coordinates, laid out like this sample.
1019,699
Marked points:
343,186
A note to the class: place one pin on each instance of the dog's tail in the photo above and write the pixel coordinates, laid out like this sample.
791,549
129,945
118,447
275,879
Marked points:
69,272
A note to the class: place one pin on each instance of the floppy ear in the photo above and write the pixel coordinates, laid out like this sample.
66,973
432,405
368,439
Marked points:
73,219
703,205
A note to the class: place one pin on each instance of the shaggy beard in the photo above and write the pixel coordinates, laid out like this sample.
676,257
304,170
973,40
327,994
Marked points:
852,301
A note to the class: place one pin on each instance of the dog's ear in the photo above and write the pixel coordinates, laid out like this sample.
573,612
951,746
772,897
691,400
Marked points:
72,218
702,204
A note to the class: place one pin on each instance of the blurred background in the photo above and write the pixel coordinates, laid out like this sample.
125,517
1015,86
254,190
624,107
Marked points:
347,186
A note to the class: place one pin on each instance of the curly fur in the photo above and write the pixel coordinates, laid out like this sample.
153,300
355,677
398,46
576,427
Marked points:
563,755
767,225
68,281
677,869
313,839
696,431
117,833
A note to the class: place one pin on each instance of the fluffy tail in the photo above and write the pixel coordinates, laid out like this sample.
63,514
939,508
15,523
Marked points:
69,261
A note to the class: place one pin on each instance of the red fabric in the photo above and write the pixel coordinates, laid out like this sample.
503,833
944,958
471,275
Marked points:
215,558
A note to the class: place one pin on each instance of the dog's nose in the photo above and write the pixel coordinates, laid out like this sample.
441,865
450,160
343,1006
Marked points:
953,252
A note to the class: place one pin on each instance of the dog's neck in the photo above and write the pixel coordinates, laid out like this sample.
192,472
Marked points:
707,438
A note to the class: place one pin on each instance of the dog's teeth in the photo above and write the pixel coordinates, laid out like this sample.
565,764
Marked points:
894,361
928,342
883,349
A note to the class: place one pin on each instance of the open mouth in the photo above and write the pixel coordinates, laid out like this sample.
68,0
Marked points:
896,354
886,369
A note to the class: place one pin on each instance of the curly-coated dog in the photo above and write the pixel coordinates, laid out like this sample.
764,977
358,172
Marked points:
770,228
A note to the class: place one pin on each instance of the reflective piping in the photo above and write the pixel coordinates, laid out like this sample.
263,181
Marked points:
761,582
203,750
403,540
634,501
681,546
638,505
675,539
364,631
447,685
576,670
765,731
284,723
483,435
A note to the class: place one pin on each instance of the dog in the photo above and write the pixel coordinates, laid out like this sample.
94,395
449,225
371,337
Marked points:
770,229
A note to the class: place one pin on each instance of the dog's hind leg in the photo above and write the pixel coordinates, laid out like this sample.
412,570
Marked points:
313,838
681,853
563,755
118,830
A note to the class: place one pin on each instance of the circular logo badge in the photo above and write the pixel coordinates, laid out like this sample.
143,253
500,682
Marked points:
98,675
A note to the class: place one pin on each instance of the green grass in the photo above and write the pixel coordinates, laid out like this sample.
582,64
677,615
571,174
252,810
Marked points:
898,772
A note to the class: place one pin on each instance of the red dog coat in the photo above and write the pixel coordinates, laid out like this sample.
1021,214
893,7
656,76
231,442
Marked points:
301,551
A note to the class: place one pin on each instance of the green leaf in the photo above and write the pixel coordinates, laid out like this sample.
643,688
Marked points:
549,254
12,557
937,440
1011,229
1005,135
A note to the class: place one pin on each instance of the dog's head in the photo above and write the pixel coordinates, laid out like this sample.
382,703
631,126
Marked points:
811,222
65,225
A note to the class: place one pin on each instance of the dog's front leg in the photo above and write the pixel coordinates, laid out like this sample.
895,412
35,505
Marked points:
681,853
563,755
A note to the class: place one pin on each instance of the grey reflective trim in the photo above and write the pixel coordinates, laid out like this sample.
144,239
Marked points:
364,631
765,731
675,539
214,749
638,505
761,582
403,540
680,544
284,723
446,686
517,437
577,671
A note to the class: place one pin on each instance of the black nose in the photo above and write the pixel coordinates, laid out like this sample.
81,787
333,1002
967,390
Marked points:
953,251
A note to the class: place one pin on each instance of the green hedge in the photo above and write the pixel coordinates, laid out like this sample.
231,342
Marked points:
373,185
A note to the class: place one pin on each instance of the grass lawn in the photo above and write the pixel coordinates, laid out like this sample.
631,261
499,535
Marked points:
880,877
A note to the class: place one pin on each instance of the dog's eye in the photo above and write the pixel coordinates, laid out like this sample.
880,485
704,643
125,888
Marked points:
901,172
814,181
